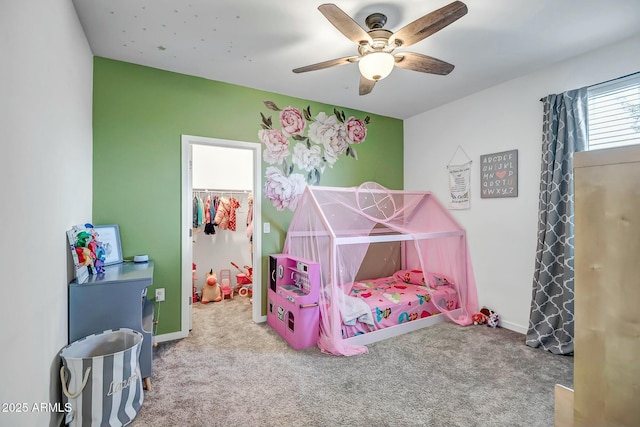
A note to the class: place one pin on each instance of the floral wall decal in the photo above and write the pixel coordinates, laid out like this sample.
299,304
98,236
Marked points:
301,147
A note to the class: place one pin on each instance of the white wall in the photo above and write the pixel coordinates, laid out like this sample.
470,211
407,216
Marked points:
502,232
222,167
229,169
45,186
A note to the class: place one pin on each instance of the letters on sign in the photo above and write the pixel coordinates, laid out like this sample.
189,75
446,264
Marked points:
499,174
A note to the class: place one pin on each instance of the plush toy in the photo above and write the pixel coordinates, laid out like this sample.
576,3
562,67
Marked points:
211,290
491,317
493,320
479,319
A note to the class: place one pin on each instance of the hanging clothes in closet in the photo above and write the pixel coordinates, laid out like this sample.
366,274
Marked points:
204,212
226,213
218,211
198,211
210,210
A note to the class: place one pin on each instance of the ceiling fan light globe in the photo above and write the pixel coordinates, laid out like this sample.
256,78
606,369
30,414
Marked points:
376,65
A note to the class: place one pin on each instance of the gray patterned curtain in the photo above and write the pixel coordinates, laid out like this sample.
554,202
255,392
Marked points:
564,133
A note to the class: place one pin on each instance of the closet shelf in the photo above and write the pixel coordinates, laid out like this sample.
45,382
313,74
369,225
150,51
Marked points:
221,190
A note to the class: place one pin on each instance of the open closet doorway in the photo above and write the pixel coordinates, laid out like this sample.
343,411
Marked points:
225,169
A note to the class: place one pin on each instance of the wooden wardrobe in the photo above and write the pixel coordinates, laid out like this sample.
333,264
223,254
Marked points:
607,291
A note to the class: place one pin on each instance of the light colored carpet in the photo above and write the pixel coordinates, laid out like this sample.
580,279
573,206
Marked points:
232,372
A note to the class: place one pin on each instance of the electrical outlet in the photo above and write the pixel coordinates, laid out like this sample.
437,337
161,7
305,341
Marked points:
160,295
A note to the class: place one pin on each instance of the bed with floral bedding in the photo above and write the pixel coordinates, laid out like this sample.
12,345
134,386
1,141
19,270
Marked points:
403,297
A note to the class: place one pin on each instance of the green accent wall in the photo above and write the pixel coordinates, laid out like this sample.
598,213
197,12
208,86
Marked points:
139,116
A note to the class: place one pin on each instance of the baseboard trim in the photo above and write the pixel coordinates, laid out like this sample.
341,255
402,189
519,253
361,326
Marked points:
513,327
170,337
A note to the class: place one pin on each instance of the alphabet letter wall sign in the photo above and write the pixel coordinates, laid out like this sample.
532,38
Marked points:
499,175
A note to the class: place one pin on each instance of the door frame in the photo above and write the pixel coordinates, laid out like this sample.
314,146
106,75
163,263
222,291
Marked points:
187,223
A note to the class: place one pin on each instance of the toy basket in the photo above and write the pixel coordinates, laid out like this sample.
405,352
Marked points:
101,378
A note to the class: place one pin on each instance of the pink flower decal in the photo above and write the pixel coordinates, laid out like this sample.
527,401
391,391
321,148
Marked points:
356,130
292,121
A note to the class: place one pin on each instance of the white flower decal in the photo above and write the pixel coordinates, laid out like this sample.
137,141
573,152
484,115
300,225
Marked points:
277,146
324,128
283,191
307,159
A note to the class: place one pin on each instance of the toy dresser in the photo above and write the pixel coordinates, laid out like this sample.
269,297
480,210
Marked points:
292,307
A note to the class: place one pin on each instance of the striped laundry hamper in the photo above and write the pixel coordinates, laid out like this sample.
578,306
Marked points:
101,379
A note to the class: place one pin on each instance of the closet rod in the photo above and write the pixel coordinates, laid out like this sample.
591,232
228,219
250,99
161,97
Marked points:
218,190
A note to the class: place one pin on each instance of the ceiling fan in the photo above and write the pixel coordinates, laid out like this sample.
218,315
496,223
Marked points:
376,46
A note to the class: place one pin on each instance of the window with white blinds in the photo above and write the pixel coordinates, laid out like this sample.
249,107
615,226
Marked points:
614,113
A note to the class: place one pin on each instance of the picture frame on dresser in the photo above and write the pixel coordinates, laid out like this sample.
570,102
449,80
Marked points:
109,235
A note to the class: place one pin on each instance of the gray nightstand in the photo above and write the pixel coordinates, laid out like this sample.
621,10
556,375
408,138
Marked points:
115,299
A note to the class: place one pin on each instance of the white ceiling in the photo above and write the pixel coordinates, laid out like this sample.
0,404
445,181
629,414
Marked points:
257,43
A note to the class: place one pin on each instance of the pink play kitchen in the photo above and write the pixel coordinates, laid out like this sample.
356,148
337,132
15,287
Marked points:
292,308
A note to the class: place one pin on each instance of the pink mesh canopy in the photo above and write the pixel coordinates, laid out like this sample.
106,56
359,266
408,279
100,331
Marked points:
360,232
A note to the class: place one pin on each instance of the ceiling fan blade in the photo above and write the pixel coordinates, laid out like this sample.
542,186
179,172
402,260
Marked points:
422,63
428,24
327,64
366,85
344,23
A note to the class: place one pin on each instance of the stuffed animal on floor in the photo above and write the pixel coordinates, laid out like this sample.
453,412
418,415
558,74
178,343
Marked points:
479,319
493,320
211,290
490,317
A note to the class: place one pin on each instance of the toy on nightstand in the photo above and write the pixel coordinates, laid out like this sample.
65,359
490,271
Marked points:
211,290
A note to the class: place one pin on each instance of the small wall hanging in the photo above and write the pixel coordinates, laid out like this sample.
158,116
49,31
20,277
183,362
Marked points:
459,182
499,175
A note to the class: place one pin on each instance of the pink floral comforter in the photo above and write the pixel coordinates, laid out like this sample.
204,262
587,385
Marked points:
393,302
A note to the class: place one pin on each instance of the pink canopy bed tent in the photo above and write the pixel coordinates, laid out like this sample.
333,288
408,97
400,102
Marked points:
391,262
